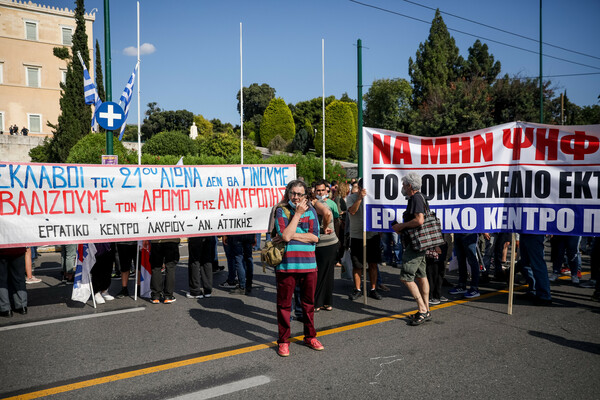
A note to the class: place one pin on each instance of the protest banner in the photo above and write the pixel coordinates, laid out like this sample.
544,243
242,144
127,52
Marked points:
516,177
69,203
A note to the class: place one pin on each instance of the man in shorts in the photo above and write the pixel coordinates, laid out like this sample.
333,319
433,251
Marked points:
354,202
414,272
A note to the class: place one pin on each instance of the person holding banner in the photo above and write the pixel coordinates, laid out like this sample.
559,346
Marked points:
414,267
355,210
300,232
163,251
12,280
200,276
326,249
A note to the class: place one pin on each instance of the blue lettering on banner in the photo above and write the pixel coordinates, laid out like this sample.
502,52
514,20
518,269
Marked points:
57,177
264,176
556,219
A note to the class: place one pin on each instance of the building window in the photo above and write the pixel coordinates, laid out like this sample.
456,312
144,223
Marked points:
33,76
31,30
63,75
35,122
67,36
2,121
1,73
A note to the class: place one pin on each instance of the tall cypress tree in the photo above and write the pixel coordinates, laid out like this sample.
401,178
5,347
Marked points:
74,120
437,62
99,78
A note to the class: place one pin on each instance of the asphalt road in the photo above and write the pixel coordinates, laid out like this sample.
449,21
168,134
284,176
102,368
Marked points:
223,346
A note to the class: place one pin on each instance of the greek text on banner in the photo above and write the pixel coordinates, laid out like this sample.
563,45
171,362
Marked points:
519,177
65,203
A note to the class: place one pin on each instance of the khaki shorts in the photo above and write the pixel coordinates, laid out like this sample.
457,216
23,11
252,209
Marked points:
413,265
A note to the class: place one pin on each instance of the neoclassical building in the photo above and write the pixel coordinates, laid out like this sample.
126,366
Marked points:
30,74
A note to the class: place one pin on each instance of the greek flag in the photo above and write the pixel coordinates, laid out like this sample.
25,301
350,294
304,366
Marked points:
126,98
90,93
86,258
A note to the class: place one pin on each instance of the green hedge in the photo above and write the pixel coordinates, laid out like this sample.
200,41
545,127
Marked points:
226,145
340,131
175,143
277,120
91,147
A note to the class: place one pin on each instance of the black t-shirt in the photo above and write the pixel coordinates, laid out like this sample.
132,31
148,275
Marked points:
416,205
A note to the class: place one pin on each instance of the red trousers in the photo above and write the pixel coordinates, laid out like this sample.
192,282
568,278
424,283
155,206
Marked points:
286,283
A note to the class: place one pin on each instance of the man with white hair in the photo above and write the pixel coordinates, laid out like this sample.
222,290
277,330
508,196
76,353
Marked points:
414,267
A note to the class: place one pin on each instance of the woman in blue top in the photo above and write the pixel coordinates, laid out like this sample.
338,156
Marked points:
298,226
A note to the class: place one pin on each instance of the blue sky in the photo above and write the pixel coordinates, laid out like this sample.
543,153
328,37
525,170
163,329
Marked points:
196,62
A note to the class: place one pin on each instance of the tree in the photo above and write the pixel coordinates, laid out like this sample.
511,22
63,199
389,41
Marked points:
205,127
464,106
311,111
480,64
301,142
99,77
99,82
340,131
277,120
387,105
75,117
175,143
256,100
437,62
158,120
219,127
90,148
131,133
518,99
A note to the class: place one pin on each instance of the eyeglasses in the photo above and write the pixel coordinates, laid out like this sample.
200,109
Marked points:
296,194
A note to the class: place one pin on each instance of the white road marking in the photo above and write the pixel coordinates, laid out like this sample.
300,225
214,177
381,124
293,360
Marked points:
225,389
55,321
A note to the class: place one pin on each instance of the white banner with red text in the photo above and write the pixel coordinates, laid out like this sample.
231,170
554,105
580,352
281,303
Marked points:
44,204
516,177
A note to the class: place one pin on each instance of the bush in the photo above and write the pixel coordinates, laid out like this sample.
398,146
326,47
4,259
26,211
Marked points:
301,141
150,159
41,153
310,167
277,144
277,120
173,143
340,131
226,145
91,147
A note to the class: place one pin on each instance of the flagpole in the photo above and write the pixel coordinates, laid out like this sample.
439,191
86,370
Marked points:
139,124
137,267
323,72
91,287
241,103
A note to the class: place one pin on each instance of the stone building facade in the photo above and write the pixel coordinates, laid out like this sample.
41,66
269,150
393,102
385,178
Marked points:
30,74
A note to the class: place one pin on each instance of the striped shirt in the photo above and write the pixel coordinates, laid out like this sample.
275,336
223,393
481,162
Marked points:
298,256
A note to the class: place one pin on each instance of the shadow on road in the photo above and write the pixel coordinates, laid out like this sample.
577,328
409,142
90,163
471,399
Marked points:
593,348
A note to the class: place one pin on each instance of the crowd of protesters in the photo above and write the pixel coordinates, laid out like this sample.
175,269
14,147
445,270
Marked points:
321,225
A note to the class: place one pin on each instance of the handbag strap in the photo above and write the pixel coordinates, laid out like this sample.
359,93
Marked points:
427,210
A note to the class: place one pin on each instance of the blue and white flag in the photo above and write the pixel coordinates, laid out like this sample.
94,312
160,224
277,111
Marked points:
126,98
86,258
90,92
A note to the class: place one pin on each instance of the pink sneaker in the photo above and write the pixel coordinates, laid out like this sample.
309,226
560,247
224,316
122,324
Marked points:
284,349
314,344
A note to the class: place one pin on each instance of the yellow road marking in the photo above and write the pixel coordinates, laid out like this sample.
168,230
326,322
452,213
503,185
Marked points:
230,353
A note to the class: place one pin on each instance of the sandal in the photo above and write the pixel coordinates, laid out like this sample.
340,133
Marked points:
418,318
327,308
